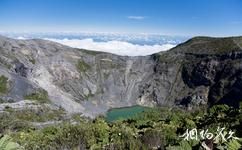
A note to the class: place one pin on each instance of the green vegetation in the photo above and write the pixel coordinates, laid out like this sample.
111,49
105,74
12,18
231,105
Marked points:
124,113
39,115
208,45
238,40
158,128
2,101
40,96
90,52
3,84
88,95
32,60
18,120
82,66
4,63
7,144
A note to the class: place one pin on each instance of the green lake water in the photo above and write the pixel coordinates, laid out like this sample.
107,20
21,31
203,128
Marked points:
124,113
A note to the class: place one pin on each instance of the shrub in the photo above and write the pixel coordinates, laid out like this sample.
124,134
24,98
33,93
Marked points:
66,136
7,144
82,66
3,84
40,96
158,129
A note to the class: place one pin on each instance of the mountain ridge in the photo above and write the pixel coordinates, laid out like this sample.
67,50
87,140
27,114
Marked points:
210,45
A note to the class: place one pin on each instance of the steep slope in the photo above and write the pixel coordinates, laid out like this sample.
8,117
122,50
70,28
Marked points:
202,70
77,80
213,68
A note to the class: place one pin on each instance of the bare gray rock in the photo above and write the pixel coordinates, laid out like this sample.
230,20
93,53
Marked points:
200,71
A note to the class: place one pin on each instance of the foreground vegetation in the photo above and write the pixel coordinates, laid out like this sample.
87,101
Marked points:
158,128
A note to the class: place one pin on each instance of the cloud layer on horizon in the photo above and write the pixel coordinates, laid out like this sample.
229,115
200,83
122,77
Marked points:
115,47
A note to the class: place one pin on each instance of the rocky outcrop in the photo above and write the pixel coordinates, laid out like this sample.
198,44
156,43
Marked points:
216,69
198,72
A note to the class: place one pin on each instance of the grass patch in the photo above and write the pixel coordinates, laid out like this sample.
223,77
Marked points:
4,63
20,120
3,84
41,115
90,52
1,101
40,96
208,45
10,123
32,60
82,66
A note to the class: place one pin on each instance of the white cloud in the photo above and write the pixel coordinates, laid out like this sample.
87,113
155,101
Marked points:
115,47
21,38
136,17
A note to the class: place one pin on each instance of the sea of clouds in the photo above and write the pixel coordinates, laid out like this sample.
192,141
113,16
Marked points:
120,44
115,47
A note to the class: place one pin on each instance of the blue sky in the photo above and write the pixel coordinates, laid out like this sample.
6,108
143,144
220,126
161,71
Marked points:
169,17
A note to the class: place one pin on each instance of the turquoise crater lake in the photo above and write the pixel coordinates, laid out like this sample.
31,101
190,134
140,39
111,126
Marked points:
124,113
